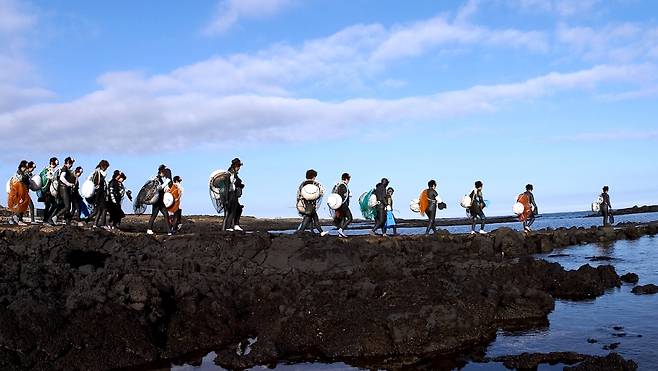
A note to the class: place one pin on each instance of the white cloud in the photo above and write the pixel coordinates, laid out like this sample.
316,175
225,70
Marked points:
14,18
570,8
16,21
647,92
139,121
261,96
622,42
561,8
417,38
230,12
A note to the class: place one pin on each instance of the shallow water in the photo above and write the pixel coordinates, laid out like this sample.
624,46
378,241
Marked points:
571,323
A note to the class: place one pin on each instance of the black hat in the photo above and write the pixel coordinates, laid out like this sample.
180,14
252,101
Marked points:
236,162
161,167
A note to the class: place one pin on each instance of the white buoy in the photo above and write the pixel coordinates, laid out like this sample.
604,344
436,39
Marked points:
334,201
168,199
35,183
311,192
518,208
88,189
466,202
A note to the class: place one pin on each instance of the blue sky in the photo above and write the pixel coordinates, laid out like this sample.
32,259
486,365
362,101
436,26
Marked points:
558,93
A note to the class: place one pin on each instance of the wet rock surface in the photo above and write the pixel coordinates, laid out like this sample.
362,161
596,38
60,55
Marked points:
574,361
80,299
630,278
649,289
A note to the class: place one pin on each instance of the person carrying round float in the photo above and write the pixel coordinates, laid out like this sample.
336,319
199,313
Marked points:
307,206
99,215
49,201
76,199
18,199
233,209
431,195
343,216
390,218
164,182
64,190
606,207
476,210
31,166
116,191
27,179
380,208
530,210
174,210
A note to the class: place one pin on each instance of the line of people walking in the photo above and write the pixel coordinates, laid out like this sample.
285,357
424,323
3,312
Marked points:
68,199
96,200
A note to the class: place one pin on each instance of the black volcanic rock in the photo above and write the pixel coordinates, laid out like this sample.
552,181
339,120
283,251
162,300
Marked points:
630,278
82,299
649,289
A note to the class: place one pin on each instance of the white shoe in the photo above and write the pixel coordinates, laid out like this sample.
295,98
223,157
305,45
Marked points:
482,231
322,234
178,227
237,228
341,233
384,235
148,231
169,234
54,220
472,232
229,229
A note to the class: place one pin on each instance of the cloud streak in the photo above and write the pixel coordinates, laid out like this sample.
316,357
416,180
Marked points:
139,122
230,12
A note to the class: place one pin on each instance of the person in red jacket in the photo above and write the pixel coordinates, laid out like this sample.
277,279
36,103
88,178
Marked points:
175,212
19,195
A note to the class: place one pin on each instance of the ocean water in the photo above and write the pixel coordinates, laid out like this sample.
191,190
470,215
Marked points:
576,219
617,318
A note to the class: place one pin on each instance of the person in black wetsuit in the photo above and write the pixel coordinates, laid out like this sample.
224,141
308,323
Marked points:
535,210
116,191
434,200
233,208
99,216
310,219
66,183
164,182
31,166
606,207
49,201
380,219
344,214
477,206
76,199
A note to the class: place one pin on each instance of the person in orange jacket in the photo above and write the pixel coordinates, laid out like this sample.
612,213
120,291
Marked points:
19,195
175,212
